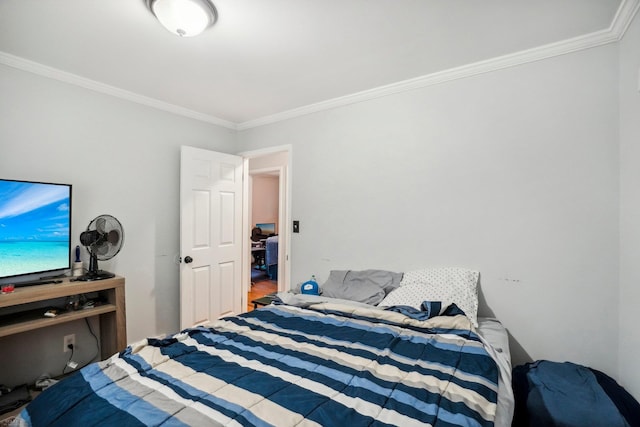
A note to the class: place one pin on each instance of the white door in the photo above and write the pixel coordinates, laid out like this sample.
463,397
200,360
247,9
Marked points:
210,235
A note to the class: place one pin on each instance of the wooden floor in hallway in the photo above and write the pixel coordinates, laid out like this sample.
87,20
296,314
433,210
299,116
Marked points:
260,289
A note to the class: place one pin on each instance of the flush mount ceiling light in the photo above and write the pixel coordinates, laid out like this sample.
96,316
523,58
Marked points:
185,18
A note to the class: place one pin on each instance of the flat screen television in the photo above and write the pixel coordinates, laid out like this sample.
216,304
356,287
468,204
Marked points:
35,227
268,228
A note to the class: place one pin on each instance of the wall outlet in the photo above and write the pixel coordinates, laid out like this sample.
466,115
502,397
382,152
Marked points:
69,339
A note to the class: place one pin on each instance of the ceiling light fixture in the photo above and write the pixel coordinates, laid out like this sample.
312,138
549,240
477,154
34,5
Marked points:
185,18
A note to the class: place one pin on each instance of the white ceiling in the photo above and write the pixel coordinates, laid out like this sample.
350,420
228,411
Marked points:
267,57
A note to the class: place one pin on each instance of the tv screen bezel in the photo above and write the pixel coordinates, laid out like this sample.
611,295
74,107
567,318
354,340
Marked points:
4,278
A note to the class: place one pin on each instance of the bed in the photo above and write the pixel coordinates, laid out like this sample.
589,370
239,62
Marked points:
302,361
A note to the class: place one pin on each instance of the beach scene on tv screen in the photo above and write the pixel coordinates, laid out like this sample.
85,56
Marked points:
34,227
267,228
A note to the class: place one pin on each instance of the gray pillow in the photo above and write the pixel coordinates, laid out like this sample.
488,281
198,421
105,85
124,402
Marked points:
367,286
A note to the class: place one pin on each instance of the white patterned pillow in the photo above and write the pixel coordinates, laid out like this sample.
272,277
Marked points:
457,285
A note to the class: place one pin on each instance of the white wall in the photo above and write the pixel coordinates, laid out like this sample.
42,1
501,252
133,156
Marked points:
265,200
123,159
630,207
513,173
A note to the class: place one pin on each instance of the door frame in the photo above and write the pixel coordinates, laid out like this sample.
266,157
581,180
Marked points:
284,218
282,231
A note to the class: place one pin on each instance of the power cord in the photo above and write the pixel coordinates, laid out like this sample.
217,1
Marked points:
70,363
86,320
73,365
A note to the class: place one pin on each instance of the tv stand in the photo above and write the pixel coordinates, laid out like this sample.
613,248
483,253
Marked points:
113,328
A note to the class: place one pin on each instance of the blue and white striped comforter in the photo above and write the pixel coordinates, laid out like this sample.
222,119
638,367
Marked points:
332,365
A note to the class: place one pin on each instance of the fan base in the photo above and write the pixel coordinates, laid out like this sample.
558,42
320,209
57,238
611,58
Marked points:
95,275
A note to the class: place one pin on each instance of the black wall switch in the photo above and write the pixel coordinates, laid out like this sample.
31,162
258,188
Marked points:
296,226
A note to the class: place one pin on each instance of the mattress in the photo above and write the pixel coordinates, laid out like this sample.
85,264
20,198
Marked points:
495,336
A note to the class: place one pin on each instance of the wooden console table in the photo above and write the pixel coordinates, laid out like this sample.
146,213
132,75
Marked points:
113,324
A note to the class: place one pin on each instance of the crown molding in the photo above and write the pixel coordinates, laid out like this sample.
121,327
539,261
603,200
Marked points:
624,15
63,76
621,21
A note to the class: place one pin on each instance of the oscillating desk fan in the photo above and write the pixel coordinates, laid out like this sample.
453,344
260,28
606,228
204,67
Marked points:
103,239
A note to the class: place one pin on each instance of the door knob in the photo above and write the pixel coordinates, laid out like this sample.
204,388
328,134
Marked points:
188,259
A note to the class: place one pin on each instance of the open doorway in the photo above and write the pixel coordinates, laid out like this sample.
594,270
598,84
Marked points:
264,190
265,226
